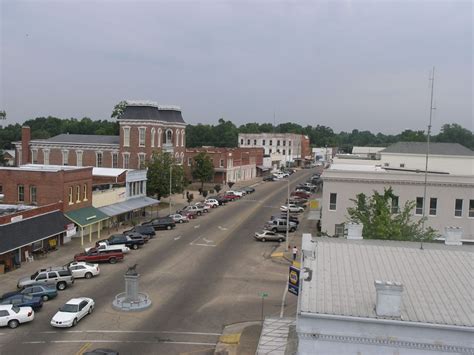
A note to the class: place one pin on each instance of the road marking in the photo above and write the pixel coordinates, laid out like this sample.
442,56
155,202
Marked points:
83,348
121,341
205,245
195,227
207,240
178,237
138,331
222,228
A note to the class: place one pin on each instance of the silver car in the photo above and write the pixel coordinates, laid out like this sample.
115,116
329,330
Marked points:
269,235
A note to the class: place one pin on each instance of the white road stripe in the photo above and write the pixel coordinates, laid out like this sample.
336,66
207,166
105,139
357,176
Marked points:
197,226
135,332
178,237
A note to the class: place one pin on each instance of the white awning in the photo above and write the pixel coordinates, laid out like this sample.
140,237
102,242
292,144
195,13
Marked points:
127,206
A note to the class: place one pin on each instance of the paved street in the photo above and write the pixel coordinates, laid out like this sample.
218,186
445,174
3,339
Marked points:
201,276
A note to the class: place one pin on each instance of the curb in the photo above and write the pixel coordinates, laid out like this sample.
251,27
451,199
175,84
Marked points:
231,337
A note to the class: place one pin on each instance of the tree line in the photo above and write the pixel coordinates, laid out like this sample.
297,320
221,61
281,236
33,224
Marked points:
225,133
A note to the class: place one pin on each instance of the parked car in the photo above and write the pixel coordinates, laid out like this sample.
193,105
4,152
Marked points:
265,235
296,200
95,256
59,276
235,192
194,210
12,316
212,202
19,300
204,207
82,269
161,223
231,196
269,178
143,230
72,312
292,218
137,236
248,189
220,199
104,245
279,225
292,208
179,218
303,194
121,239
46,292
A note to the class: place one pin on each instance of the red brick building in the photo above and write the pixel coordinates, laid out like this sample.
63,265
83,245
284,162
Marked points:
145,127
44,185
230,164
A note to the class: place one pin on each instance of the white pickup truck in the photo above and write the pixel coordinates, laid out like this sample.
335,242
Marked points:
106,246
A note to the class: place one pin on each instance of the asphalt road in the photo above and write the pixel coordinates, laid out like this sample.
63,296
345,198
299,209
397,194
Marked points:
201,276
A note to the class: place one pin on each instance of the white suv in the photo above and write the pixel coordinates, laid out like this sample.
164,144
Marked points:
212,202
12,316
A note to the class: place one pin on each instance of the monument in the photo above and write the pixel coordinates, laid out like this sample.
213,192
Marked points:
131,299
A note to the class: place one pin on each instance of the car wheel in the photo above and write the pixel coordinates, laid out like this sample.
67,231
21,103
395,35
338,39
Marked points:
88,275
13,323
91,309
263,240
199,213
168,227
135,246
74,322
274,230
292,229
180,221
61,286
45,298
112,260
280,240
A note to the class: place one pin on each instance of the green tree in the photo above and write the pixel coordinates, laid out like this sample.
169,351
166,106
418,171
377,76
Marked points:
118,109
454,133
158,176
375,213
202,168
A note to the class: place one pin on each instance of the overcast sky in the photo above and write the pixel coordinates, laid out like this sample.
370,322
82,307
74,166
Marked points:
344,64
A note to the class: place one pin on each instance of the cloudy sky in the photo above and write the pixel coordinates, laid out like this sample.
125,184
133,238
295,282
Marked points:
345,64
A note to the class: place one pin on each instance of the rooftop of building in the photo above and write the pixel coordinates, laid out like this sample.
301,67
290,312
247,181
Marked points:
81,139
43,168
437,281
271,134
366,150
435,149
11,209
150,110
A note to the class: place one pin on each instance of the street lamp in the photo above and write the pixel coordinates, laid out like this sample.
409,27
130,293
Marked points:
171,171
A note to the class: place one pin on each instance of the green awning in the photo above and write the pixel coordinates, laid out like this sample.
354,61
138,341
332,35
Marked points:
86,216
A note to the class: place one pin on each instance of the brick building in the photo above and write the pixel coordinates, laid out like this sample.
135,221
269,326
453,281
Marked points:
43,185
145,127
230,164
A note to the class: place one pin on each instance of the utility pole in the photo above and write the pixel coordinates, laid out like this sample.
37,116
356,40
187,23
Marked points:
427,156
171,171
287,213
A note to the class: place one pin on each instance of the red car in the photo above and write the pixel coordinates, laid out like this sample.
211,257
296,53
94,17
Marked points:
231,197
302,194
95,256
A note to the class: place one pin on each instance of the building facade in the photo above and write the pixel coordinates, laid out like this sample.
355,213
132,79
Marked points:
145,127
449,198
230,164
283,148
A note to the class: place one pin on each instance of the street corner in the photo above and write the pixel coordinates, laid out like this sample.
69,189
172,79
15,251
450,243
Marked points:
230,339
281,255
239,338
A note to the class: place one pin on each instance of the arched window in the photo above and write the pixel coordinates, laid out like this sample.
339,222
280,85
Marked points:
169,136
152,137
182,138
159,137
177,137
181,158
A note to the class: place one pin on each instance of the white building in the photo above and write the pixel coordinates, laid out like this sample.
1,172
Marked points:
367,152
449,198
323,153
450,158
384,297
282,148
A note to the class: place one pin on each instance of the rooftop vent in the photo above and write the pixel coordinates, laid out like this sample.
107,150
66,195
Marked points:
453,236
389,298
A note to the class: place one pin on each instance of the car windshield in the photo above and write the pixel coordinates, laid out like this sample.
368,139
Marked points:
34,275
69,308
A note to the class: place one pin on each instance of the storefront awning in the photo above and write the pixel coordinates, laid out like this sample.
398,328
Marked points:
30,230
127,206
263,168
86,216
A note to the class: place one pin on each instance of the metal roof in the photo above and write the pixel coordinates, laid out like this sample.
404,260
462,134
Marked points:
86,216
154,113
435,148
127,206
438,281
82,138
30,230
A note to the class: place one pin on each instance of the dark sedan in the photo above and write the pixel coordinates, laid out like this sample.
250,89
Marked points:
20,300
46,292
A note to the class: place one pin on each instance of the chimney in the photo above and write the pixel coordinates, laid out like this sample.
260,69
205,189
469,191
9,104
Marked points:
389,298
453,235
354,230
25,145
